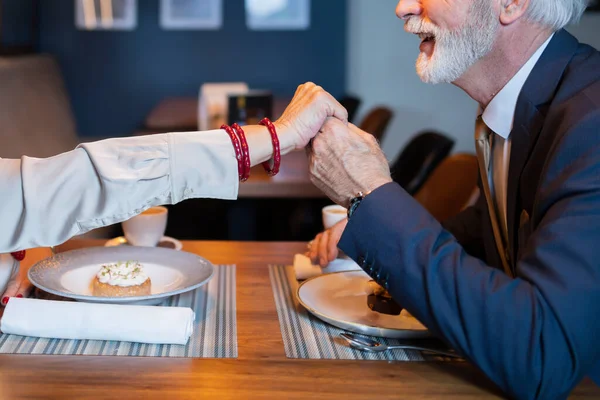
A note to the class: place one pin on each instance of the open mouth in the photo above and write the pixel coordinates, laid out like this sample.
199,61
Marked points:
426,37
427,43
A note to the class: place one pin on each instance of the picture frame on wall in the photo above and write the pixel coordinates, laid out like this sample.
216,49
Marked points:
191,14
263,15
108,15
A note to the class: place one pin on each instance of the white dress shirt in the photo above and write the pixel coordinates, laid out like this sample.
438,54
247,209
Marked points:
47,201
499,116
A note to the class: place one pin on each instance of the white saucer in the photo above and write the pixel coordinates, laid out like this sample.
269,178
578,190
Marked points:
165,242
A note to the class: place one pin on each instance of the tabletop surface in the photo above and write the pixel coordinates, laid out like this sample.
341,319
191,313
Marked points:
262,369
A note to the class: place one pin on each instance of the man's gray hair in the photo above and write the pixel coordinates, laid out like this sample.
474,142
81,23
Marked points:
556,14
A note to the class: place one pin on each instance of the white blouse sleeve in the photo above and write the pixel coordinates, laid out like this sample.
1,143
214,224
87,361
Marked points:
45,202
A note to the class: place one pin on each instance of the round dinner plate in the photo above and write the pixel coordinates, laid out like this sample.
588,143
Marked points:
171,272
340,299
166,242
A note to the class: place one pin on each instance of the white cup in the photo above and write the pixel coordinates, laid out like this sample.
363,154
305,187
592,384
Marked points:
333,214
147,228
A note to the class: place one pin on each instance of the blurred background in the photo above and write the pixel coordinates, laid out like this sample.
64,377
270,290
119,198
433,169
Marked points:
73,71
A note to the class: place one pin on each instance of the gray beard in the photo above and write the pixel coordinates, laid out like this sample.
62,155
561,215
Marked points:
456,51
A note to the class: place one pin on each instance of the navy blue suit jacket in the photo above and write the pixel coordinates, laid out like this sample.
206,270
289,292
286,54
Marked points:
537,335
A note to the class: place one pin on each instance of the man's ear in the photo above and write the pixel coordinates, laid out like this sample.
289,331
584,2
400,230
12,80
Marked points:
512,10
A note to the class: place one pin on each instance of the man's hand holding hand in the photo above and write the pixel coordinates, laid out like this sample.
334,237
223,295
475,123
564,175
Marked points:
345,160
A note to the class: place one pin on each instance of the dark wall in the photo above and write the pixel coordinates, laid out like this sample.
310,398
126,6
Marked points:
16,22
115,78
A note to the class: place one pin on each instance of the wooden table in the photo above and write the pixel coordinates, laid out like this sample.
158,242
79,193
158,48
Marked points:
262,369
180,113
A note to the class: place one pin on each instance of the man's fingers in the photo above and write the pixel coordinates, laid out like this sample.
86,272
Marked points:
332,249
314,249
357,131
334,125
334,238
323,260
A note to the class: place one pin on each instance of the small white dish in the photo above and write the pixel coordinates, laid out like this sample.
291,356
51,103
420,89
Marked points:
340,299
166,242
70,274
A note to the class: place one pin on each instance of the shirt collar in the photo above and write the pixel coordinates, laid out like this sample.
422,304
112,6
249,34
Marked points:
500,112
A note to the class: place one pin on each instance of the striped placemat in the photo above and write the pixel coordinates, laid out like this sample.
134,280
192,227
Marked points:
215,329
305,336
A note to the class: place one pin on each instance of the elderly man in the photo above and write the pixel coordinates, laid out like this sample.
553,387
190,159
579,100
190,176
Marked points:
513,283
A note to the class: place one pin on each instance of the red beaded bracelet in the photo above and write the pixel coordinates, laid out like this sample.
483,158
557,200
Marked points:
245,150
236,147
272,171
19,255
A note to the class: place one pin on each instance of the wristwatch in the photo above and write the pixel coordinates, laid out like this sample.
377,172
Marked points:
355,202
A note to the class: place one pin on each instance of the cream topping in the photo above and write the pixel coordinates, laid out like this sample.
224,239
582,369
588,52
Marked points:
129,273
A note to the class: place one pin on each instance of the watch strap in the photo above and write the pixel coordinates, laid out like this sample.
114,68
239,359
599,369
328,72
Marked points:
354,203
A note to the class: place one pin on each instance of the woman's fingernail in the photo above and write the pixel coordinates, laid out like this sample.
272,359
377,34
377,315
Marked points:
5,300
19,295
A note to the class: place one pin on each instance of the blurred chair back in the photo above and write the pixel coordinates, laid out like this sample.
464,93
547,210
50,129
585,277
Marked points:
351,104
451,187
419,158
377,121
35,112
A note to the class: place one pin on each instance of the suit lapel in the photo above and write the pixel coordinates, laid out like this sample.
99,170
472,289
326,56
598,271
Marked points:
538,91
523,137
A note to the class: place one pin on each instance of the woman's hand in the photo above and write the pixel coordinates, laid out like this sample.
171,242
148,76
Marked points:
19,285
307,112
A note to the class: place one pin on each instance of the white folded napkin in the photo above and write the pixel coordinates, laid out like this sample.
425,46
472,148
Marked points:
9,267
304,269
73,320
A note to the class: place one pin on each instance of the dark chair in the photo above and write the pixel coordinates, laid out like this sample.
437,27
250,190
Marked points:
419,158
451,187
377,121
351,104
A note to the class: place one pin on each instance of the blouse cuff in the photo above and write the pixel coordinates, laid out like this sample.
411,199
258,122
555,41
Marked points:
203,164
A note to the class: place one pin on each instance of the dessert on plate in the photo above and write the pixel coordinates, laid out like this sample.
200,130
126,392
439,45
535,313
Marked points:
122,279
379,300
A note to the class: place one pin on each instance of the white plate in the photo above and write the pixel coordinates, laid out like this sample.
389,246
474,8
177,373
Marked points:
166,241
171,272
341,300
